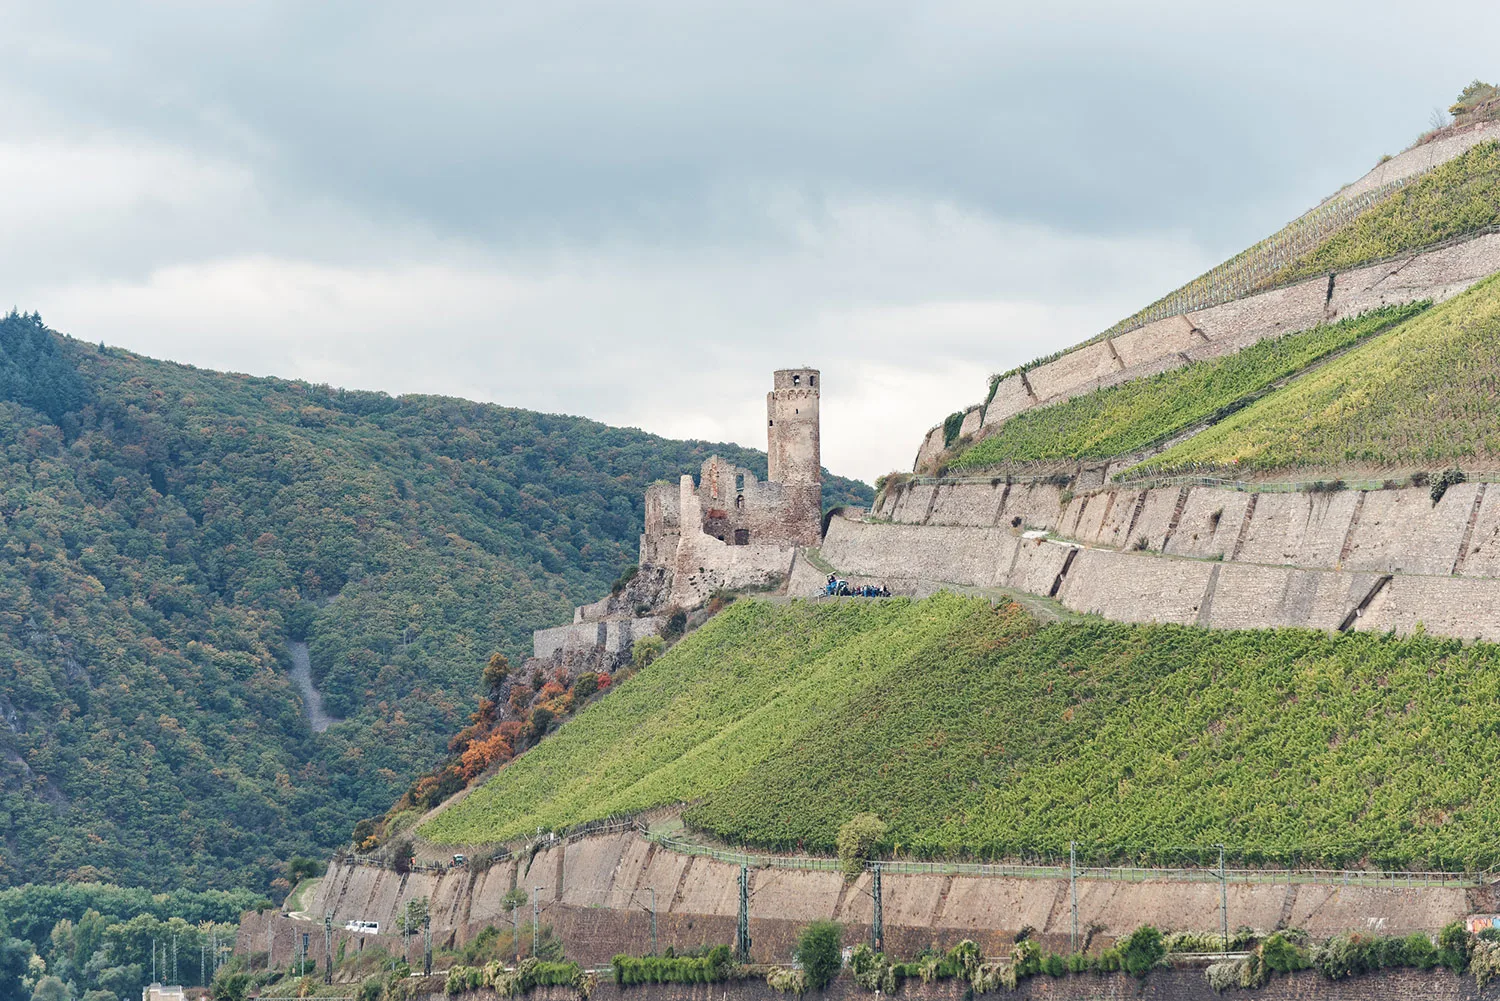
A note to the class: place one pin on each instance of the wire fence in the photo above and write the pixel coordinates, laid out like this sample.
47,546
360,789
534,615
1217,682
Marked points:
1324,485
1193,873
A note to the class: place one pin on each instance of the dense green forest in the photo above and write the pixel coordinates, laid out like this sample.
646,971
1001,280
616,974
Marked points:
167,530
972,731
94,941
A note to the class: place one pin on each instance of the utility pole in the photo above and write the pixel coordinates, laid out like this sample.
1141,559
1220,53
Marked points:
1223,901
153,961
175,978
1073,892
652,890
426,945
536,917
270,944
515,935
877,924
327,947
742,934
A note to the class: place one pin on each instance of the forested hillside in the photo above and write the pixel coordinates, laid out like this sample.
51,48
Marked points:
975,731
167,530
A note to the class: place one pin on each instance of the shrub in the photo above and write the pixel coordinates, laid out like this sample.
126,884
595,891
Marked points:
1454,947
857,841
1420,952
1142,950
586,685
1484,960
1053,965
1283,955
1448,478
646,649
1079,962
787,981
820,951
951,426
626,576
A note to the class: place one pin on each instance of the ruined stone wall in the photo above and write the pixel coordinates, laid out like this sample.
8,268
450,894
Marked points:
702,564
595,891
1170,343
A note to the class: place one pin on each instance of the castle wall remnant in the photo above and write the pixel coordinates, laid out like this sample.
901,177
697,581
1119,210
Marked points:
728,530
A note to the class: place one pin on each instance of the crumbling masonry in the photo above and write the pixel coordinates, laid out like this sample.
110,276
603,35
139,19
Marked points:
729,530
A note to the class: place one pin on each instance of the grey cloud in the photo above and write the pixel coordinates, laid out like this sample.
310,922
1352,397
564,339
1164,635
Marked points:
612,190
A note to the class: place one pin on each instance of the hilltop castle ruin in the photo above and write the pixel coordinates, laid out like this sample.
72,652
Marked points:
728,530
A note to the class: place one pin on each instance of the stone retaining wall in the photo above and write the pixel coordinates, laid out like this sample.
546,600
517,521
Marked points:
1177,984
1224,329
595,898
1374,591
1400,530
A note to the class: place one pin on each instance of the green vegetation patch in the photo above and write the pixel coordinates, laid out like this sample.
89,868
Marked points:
1421,395
1121,419
1458,197
166,531
730,696
975,732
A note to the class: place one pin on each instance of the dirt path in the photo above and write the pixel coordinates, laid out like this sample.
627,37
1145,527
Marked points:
311,697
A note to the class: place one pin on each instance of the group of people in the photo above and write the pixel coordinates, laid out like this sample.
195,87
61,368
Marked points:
838,587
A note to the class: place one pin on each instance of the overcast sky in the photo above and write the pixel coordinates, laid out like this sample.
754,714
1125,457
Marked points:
634,211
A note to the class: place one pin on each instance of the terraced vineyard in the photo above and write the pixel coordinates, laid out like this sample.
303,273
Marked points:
1121,419
1459,197
976,732
1423,395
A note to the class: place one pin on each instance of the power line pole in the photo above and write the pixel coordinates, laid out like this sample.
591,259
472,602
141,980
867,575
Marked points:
327,947
426,945
153,961
515,921
742,933
175,977
270,943
1073,892
1223,901
536,917
877,924
652,890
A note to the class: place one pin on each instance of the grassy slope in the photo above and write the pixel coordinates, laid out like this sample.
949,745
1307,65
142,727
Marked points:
1458,197
676,731
977,732
1121,419
165,529
1421,395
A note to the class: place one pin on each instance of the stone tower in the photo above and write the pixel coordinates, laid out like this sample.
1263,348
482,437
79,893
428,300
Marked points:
792,428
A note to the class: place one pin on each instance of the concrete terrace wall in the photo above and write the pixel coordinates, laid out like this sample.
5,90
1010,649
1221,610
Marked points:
1166,344
1376,560
596,887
